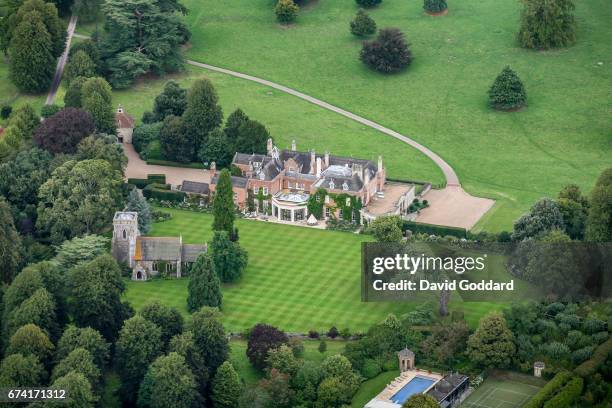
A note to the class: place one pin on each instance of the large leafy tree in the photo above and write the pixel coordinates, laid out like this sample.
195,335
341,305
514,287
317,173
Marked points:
184,344
203,114
507,91
81,249
97,99
547,24
575,209
387,229
102,147
174,141
172,101
226,387
17,370
79,389
339,382
18,134
421,401
142,36
31,340
138,345
73,95
83,338
544,216
38,309
492,344
252,138
79,65
210,338
217,149
79,360
87,10
262,339
95,296
228,257
168,319
168,383
10,244
30,55
387,53
80,198
62,132
234,121
599,223
223,204
204,288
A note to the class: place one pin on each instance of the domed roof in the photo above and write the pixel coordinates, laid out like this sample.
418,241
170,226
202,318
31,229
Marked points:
444,386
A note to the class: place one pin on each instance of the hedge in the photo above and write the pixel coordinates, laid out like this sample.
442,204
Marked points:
163,192
157,178
600,355
433,229
568,394
550,389
138,182
176,164
151,178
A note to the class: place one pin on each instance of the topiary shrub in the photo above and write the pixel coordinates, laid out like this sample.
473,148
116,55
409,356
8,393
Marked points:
435,6
363,25
368,3
507,91
286,11
388,53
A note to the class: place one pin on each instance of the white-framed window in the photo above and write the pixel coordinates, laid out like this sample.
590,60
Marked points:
265,190
154,266
327,212
345,186
332,185
348,201
168,267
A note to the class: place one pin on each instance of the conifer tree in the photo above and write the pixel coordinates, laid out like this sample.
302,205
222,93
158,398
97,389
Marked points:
97,99
203,114
139,204
547,24
226,387
80,65
204,288
507,91
223,204
363,24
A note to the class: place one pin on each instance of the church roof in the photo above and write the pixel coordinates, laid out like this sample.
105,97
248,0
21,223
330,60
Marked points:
192,251
157,249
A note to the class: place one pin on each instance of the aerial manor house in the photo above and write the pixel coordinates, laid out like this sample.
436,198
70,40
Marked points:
288,178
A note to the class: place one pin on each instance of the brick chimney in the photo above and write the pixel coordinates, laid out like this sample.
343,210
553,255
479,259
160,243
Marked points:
293,146
312,161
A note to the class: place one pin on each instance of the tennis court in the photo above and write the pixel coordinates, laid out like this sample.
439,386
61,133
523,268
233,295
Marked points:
495,393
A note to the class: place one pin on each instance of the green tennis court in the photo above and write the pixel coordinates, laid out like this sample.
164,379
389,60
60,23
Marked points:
500,394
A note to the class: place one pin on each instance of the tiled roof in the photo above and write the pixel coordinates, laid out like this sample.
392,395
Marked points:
192,251
195,187
124,120
239,182
157,249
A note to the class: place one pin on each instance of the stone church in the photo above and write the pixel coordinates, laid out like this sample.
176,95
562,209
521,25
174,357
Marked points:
150,256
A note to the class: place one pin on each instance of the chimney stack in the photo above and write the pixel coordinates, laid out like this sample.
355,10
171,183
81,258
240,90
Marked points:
269,146
380,163
213,169
326,159
318,166
293,146
312,161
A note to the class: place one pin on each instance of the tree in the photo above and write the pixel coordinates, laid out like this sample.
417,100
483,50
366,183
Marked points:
363,25
137,203
81,361
236,119
599,222
286,11
368,3
543,216
172,101
47,12
387,229
81,249
262,339
337,391
333,332
62,132
574,208
77,387
138,345
421,401
86,338
95,295
204,288
79,198
38,309
87,10
142,36
97,99
73,95
283,359
90,47
184,345
492,345
49,110
203,114
210,338
167,318
229,259
223,204
277,387
507,91
174,142
387,53
17,370
80,65
10,244
547,24
435,6
226,387
252,138
31,60
446,342
102,147
168,383
216,149
31,340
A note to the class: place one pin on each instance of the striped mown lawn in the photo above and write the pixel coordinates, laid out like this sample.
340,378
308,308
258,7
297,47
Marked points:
297,279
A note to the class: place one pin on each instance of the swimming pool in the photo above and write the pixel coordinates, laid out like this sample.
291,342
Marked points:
415,386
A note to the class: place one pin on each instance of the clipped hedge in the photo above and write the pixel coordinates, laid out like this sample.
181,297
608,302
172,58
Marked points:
138,182
568,394
157,178
163,192
600,354
169,163
550,389
432,229
151,178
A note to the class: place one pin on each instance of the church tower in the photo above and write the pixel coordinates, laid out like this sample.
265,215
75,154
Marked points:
125,232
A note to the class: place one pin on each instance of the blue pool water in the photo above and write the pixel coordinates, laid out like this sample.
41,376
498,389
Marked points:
416,386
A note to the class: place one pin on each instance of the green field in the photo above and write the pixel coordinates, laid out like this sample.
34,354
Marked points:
494,393
563,136
371,388
297,279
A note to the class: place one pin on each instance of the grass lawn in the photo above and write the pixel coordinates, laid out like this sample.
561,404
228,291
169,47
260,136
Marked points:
297,279
494,393
371,388
250,375
562,137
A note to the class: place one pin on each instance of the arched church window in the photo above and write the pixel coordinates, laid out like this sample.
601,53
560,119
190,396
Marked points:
124,234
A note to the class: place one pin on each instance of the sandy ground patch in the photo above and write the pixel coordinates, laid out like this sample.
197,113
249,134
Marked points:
454,207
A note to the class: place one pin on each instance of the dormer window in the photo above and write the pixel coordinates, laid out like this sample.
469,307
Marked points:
345,186
331,184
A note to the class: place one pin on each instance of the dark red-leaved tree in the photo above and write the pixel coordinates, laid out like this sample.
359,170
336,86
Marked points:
62,132
262,339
